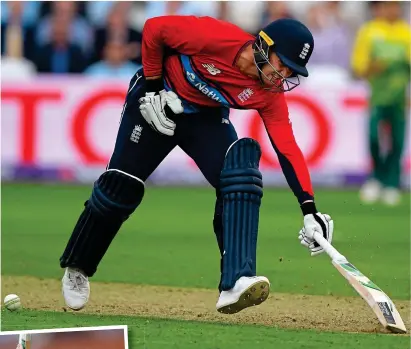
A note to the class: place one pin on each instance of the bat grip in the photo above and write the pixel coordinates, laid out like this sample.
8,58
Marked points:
328,248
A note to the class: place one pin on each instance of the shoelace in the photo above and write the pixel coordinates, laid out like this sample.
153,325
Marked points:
77,281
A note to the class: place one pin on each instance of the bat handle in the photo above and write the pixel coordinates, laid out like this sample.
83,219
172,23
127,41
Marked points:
328,248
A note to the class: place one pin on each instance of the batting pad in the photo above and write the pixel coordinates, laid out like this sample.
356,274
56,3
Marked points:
114,198
241,188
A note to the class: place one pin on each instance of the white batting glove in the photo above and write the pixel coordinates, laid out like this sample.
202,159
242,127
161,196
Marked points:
152,107
316,222
172,100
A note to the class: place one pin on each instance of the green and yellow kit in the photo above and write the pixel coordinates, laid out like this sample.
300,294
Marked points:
388,45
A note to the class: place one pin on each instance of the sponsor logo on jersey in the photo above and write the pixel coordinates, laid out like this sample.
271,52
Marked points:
212,69
246,94
202,87
191,77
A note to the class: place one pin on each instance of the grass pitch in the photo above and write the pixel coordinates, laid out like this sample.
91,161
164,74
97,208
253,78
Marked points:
156,333
160,274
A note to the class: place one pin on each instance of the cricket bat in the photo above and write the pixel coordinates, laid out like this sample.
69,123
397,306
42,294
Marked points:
379,302
24,341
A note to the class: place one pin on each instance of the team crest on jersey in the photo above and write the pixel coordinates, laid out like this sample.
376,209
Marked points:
212,69
246,94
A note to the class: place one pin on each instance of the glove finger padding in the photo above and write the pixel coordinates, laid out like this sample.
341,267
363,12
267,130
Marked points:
158,121
144,100
302,238
316,222
315,249
173,102
146,117
155,107
330,228
152,109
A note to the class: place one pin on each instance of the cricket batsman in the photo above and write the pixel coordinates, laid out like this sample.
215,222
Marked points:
194,70
381,55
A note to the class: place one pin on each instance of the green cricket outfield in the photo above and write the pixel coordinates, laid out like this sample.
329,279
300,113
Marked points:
160,275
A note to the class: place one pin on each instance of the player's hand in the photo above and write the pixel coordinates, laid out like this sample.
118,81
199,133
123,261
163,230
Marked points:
171,101
156,104
153,109
316,222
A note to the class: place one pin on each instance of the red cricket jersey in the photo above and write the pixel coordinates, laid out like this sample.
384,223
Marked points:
203,73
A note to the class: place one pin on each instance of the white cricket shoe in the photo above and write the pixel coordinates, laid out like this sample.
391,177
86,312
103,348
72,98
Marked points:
247,291
76,288
370,192
391,196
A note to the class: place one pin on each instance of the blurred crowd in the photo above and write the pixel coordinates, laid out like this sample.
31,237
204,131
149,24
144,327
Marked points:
103,38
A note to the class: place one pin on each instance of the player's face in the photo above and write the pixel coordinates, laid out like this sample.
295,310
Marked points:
276,72
391,10
280,69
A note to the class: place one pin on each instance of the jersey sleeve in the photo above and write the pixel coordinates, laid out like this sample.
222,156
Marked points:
292,161
188,35
407,35
360,57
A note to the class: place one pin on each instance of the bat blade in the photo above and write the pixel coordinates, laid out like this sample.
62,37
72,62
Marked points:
378,301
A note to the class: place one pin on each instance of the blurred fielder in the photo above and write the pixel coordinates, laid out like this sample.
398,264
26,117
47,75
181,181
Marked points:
382,56
195,70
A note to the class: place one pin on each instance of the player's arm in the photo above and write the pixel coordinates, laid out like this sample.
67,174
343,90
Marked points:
185,34
188,35
362,63
292,161
407,34
294,167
